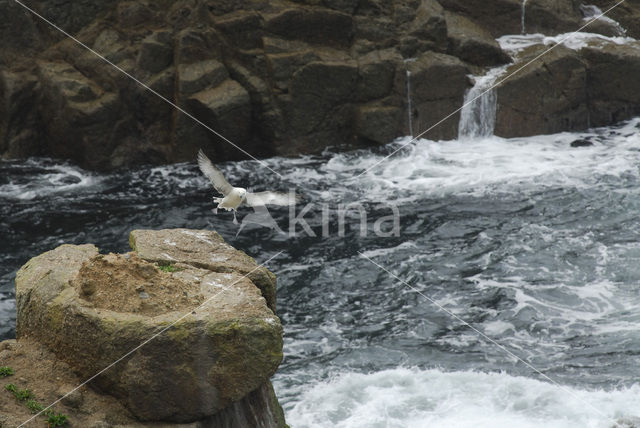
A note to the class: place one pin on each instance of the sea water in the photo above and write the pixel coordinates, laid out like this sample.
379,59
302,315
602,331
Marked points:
532,242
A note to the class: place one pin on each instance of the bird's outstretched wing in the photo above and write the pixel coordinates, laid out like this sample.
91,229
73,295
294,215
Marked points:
214,174
271,198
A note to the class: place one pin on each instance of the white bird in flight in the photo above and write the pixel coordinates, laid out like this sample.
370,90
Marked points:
233,197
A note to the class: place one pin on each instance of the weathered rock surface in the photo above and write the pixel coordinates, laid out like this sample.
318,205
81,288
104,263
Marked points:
472,43
561,78
613,95
205,250
438,84
210,339
578,89
50,379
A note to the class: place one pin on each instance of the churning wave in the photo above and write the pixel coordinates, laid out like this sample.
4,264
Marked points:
475,167
37,178
415,398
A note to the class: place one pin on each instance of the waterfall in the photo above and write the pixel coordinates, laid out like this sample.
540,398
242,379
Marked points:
409,106
478,117
591,11
524,11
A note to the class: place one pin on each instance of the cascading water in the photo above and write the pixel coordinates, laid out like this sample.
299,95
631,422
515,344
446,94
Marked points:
522,18
409,107
478,116
591,11
409,100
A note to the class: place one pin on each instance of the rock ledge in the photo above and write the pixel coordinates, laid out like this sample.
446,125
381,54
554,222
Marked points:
217,341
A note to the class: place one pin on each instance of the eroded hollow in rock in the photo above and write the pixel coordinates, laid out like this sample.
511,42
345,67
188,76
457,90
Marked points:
127,283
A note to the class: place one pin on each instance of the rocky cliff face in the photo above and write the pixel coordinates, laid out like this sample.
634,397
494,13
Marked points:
204,311
275,77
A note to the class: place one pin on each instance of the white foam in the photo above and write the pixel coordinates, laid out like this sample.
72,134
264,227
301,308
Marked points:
485,166
50,179
478,114
414,398
388,251
497,327
592,11
515,43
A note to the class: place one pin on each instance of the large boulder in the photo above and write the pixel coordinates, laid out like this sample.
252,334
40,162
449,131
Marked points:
581,88
177,329
376,73
499,17
318,107
156,52
561,76
198,76
613,95
225,108
438,85
318,26
472,43
427,29
552,16
79,115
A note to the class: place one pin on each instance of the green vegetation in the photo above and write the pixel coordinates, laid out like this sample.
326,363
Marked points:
53,419
34,406
5,371
168,268
20,394
24,394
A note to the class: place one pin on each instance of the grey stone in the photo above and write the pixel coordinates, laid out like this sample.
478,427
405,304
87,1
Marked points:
198,76
156,52
325,27
471,43
217,355
562,77
379,124
438,85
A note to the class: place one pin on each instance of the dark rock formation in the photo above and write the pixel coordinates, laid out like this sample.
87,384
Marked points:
283,77
212,365
501,17
614,95
581,143
579,89
472,43
560,80
272,77
436,82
